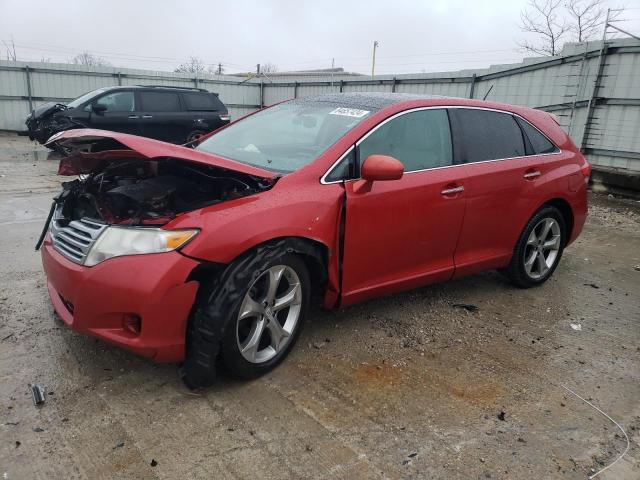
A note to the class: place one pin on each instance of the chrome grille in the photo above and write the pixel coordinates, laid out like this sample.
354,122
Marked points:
74,239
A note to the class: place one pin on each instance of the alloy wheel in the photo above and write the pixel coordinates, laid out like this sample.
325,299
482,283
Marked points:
269,314
542,248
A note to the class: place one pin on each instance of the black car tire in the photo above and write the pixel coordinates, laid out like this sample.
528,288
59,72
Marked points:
517,271
194,136
212,329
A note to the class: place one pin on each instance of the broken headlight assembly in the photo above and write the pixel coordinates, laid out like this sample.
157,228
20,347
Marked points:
118,241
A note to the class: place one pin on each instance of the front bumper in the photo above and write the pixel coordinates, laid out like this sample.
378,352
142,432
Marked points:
97,300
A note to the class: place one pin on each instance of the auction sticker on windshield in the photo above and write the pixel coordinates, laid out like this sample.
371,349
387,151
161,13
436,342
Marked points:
349,112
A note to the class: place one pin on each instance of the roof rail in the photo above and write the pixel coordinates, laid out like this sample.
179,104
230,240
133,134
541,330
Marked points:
174,87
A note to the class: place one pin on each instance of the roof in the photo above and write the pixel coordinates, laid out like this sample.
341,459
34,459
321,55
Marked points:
368,100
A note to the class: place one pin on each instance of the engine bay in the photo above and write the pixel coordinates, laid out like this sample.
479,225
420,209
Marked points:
143,192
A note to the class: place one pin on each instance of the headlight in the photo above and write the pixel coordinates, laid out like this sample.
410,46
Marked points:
118,241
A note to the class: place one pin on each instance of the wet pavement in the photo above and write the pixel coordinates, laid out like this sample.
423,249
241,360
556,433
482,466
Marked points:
407,386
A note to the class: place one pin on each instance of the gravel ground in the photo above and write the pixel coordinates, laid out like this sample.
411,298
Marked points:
407,386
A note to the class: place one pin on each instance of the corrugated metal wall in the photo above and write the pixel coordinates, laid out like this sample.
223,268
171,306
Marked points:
581,86
49,82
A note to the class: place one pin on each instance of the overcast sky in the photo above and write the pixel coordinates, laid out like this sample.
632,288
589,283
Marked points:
414,36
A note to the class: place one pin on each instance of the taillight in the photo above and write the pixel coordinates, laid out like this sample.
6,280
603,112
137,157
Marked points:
586,171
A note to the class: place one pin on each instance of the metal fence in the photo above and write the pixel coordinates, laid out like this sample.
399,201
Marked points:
593,89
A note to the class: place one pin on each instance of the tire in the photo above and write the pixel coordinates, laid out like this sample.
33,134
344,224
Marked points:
527,268
194,136
217,334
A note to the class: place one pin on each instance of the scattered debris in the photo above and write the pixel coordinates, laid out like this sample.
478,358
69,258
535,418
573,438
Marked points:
18,443
576,326
38,430
466,306
411,455
12,423
37,392
319,345
592,285
7,337
308,448
501,416
637,268
153,462
119,445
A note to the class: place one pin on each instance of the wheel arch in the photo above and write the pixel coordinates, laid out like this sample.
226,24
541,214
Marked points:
567,214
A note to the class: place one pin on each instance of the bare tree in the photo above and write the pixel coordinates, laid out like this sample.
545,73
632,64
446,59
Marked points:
268,68
192,65
587,18
90,60
544,19
11,50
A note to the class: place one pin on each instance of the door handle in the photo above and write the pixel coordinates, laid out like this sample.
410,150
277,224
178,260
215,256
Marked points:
531,174
134,116
147,116
450,191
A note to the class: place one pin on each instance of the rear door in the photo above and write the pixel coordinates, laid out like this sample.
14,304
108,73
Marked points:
402,233
500,187
121,113
162,116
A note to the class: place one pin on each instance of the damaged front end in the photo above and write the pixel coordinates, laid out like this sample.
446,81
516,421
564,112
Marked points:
48,119
124,195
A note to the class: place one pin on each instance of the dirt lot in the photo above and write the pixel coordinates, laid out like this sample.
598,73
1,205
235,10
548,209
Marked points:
407,386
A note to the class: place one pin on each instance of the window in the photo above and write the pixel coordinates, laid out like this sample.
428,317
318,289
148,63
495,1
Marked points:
159,102
117,102
201,101
539,143
285,137
343,170
487,135
420,140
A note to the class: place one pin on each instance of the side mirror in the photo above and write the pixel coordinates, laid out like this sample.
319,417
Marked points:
381,167
98,108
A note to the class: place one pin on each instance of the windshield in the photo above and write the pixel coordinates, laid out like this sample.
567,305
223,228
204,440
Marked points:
285,137
80,100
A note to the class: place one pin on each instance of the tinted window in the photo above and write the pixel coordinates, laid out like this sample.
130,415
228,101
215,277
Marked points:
420,140
539,143
117,102
201,101
159,102
487,135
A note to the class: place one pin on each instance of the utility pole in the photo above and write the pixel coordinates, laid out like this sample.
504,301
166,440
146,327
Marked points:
258,70
332,66
373,60
219,69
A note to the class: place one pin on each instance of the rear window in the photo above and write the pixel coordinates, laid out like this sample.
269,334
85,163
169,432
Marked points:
159,102
488,135
202,101
539,143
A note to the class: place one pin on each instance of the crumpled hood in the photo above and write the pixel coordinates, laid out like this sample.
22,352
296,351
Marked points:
46,109
90,149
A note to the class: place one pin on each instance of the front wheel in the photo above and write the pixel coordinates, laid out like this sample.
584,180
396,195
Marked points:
249,318
539,249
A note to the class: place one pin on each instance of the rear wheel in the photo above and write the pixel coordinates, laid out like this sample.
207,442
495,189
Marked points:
539,248
195,135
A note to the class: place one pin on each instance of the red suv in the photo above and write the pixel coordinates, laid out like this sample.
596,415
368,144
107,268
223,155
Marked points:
199,255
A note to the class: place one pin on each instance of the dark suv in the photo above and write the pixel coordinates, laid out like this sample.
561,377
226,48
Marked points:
171,114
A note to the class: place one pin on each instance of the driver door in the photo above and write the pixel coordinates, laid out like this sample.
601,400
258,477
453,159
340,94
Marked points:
400,234
119,113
